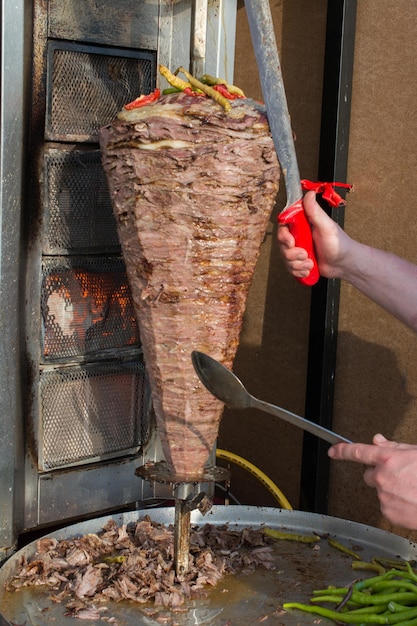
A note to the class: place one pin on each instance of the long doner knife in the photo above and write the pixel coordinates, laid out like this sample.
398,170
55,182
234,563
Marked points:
267,58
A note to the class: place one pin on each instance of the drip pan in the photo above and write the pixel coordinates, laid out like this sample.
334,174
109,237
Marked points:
237,600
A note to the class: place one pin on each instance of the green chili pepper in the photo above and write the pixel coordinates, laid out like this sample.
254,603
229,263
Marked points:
369,609
399,584
387,598
342,548
170,90
173,79
410,571
394,607
373,566
209,91
349,618
373,599
331,590
393,563
369,582
330,598
212,80
277,534
364,598
114,559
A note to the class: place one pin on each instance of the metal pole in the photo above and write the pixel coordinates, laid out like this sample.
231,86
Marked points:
199,37
333,158
12,113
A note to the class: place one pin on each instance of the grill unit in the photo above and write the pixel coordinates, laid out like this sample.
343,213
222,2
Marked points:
76,416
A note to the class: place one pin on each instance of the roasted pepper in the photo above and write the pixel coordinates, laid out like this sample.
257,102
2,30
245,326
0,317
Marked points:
223,90
143,100
191,92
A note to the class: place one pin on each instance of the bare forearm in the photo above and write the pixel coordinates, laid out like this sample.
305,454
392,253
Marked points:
385,278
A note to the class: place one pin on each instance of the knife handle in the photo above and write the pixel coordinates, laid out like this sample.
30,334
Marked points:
295,218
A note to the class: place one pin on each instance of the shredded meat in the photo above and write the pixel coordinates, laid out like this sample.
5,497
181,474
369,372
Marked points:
136,563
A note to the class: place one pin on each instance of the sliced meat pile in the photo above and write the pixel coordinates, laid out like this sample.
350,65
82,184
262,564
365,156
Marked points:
192,189
135,562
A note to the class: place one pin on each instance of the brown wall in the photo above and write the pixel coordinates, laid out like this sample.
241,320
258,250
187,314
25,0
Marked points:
376,383
376,378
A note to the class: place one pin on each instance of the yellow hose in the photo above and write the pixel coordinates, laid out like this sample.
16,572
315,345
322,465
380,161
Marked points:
263,478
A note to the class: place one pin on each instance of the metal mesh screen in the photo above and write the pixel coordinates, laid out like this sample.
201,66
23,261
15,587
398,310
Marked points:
78,210
93,405
86,307
83,418
96,83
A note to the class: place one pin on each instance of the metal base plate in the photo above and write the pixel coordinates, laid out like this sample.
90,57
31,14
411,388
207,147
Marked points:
160,473
238,600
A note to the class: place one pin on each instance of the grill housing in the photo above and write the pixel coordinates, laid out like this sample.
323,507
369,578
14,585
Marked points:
76,416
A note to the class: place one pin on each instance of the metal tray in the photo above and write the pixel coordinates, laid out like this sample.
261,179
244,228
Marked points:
238,600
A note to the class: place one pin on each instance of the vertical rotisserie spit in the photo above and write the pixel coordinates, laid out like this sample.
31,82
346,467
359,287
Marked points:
192,187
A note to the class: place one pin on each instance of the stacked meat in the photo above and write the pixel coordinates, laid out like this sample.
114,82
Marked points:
192,188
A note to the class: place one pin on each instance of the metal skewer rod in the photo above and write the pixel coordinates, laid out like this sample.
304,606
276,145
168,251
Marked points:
182,536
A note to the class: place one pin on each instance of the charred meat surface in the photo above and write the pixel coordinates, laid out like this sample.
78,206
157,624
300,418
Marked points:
192,189
135,562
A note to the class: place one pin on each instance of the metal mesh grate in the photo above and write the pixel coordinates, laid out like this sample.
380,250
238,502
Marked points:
83,418
93,405
88,89
78,210
86,306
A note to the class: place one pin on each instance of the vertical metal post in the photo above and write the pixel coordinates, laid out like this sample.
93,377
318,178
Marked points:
334,143
198,37
221,37
12,74
203,31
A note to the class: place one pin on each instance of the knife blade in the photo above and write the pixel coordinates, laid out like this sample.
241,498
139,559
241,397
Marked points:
269,68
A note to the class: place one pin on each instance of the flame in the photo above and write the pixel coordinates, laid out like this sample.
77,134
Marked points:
87,310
